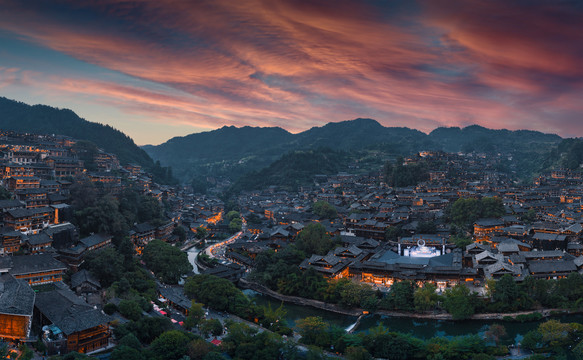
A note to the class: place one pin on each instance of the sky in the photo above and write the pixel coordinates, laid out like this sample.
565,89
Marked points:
159,69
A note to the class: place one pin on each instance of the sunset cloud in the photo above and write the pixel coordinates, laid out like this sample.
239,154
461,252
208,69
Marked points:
298,64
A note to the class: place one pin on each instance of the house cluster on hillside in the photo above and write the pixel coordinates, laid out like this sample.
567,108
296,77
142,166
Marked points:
538,235
39,243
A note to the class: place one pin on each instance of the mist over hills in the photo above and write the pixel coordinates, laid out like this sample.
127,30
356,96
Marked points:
232,151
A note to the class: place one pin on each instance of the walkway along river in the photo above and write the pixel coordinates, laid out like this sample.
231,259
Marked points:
420,328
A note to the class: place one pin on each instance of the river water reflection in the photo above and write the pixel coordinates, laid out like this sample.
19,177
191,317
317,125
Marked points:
420,328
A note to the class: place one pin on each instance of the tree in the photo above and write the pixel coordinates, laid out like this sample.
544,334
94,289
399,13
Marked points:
427,227
217,293
130,309
195,315
425,298
171,345
5,194
180,232
324,210
106,265
198,348
461,241
459,302
130,340
400,296
201,232
357,353
465,212
313,239
495,332
211,326
313,330
554,333
393,233
122,352
235,225
232,215
506,292
169,263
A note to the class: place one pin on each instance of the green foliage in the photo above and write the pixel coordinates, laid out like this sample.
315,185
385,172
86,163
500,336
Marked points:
506,292
122,352
171,345
106,265
211,326
459,302
130,310
425,298
495,332
461,241
465,212
393,233
198,349
400,175
102,217
235,225
394,346
357,353
109,308
130,340
313,331
292,170
147,328
400,297
195,315
324,210
313,239
216,293
243,342
169,263
427,227
201,232
5,194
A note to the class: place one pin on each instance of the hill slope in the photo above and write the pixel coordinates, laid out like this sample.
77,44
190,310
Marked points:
44,119
232,151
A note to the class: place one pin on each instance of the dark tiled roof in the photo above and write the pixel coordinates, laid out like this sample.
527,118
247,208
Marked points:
27,264
95,240
19,213
67,311
82,276
39,239
16,297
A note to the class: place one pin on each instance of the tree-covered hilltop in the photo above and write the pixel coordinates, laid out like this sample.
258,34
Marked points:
231,151
294,169
43,119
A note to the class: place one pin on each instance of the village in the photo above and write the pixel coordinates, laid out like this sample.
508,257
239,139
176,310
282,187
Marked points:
382,234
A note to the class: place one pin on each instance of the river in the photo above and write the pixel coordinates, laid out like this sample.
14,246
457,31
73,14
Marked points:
420,328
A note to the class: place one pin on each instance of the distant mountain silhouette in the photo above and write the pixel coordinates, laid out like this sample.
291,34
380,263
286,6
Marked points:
43,119
233,151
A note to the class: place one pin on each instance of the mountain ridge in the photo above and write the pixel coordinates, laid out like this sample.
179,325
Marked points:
258,147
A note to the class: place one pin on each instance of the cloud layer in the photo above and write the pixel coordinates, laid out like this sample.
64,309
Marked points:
298,64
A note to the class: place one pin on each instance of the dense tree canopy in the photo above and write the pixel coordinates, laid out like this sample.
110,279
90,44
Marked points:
324,210
169,263
313,239
465,212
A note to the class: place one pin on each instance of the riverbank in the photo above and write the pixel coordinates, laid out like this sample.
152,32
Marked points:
246,284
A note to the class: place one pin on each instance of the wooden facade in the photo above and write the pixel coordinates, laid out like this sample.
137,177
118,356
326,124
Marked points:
14,327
